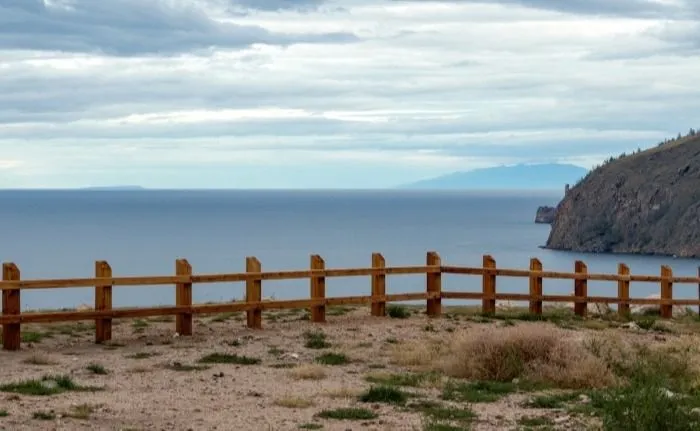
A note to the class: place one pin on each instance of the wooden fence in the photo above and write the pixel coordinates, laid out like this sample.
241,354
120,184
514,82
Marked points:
103,283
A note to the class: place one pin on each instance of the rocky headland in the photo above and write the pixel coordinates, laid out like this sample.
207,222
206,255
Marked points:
647,202
545,214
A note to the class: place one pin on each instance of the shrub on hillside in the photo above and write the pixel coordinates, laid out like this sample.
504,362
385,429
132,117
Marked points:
535,353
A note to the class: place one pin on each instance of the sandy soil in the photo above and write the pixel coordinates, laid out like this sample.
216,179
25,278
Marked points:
148,388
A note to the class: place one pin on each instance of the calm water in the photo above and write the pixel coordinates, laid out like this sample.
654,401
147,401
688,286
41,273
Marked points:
56,234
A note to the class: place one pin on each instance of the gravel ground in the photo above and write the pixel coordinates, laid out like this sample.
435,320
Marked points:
148,385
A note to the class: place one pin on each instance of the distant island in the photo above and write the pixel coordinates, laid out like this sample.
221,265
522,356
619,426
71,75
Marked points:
553,176
647,202
120,188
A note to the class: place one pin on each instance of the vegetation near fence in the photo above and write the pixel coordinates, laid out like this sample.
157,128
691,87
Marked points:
103,283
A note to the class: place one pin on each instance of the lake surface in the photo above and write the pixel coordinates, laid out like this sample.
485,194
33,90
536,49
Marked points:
59,234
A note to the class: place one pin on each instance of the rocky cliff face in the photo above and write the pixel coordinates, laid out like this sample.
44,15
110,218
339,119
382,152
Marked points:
545,214
647,203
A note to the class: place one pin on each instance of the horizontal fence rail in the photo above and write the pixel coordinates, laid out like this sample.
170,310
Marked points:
11,286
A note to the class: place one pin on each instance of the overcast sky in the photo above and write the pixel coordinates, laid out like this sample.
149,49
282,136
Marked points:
347,93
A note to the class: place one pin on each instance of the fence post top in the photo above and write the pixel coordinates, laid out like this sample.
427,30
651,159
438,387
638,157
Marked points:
666,269
581,266
102,264
317,258
535,263
9,270
489,260
183,265
379,256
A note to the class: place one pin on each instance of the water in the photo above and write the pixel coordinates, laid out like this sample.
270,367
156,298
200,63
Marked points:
59,234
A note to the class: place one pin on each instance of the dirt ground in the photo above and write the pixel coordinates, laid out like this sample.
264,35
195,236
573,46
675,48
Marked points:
149,378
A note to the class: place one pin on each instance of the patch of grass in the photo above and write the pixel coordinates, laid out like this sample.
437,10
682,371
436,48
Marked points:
139,323
348,414
47,385
223,317
162,319
39,359
477,392
333,359
308,372
95,368
338,311
343,393
34,336
384,394
534,421
646,323
316,340
44,416
4,414
225,358
142,355
294,402
453,414
398,312
405,379
552,401
391,340
81,411
177,366
310,426
275,351
531,353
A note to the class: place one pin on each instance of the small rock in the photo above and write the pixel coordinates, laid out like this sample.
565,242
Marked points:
584,399
631,325
175,335
561,420
516,381
668,393
696,410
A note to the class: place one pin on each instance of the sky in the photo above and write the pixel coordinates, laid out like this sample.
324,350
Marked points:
336,93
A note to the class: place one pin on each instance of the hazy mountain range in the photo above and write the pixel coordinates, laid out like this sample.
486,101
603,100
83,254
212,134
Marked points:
534,176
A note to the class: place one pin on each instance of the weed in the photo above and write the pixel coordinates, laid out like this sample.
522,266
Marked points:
81,411
534,421
333,359
552,401
97,369
310,426
351,414
139,323
384,394
143,355
294,402
308,372
47,385
225,358
406,379
398,312
34,337
477,392
44,416
316,340
4,414
275,351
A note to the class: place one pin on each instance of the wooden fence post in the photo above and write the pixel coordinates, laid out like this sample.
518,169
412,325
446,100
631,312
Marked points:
489,286
434,285
581,289
183,298
103,302
378,286
318,290
623,290
11,306
535,287
253,293
666,291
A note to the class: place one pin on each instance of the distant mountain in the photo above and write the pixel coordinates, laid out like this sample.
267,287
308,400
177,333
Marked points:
536,176
113,188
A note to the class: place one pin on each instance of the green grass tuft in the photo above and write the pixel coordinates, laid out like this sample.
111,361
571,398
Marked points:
97,369
384,394
316,340
225,358
351,414
477,392
333,359
398,312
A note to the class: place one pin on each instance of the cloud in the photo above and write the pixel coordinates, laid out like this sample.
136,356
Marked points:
134,27
173,97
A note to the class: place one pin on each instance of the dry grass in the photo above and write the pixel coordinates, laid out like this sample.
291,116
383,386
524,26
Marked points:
294,402
39,359
418,354
343,393
535,353
308,372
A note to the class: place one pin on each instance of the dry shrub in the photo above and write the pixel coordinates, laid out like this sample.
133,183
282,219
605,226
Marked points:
536,353
343,392
308,372
417,353
294,402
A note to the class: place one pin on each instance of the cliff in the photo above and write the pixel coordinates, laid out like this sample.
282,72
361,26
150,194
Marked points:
644,203
545,214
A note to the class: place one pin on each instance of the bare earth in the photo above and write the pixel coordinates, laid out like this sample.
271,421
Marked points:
149,386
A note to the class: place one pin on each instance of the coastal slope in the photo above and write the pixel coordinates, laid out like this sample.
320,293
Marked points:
644,203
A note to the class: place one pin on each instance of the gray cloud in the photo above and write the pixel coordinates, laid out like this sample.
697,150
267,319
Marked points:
622,8
132,27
